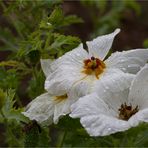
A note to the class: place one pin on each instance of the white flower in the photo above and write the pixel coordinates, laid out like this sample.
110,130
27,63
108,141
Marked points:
84,70
47,108
106,113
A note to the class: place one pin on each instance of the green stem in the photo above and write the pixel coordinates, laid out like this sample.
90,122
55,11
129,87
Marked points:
34,72
62,138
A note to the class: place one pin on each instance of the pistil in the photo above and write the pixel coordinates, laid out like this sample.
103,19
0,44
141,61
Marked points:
94,66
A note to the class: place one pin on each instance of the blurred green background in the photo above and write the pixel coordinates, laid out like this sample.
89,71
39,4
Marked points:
31,30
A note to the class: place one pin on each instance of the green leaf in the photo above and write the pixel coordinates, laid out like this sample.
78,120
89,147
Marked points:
71,19
56,16
36,84
8,110
64,43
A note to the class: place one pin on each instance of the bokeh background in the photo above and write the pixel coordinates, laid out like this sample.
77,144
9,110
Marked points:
25,37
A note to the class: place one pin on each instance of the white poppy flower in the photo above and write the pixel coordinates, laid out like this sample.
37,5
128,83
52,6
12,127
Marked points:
114,111
47,108
83,70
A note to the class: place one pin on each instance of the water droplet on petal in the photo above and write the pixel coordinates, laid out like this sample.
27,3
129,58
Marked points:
122,60
78,54
107,87
124,69
109,129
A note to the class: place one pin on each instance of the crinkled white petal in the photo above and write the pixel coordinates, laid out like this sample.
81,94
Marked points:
113,80
128,61
89,105
85,85
104,125
46,66
96,116
63,79
99,47
68,70
63,107
72,58
138,94
113,87
41,109
140,116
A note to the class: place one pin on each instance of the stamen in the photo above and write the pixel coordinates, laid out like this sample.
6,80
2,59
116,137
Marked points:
61,98
94,66
125,111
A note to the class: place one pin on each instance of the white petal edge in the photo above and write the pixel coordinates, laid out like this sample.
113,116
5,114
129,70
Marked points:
100,46
139,117
46,66
138,94
41,109
128,61
73,58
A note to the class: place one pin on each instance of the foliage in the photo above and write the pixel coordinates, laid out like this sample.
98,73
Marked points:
32,30
111,13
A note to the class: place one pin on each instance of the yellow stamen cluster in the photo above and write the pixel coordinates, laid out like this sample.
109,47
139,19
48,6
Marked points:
125,111
93,66
61,98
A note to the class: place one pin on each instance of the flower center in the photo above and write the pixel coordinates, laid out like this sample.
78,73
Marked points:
125,111
93,66
61,98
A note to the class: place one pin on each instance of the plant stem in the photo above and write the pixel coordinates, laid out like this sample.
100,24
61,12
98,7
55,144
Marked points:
62,138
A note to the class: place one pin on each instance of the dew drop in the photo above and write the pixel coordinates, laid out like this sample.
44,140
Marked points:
78,54
122,60
107,87
109,129
133,65
124,69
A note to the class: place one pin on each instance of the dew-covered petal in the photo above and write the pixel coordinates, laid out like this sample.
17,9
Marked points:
61,80
62,108
96,116
104,125
41,109
128,61
113,80
100,46
68,70
113,87
72,58
46,66
89,105
138,94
